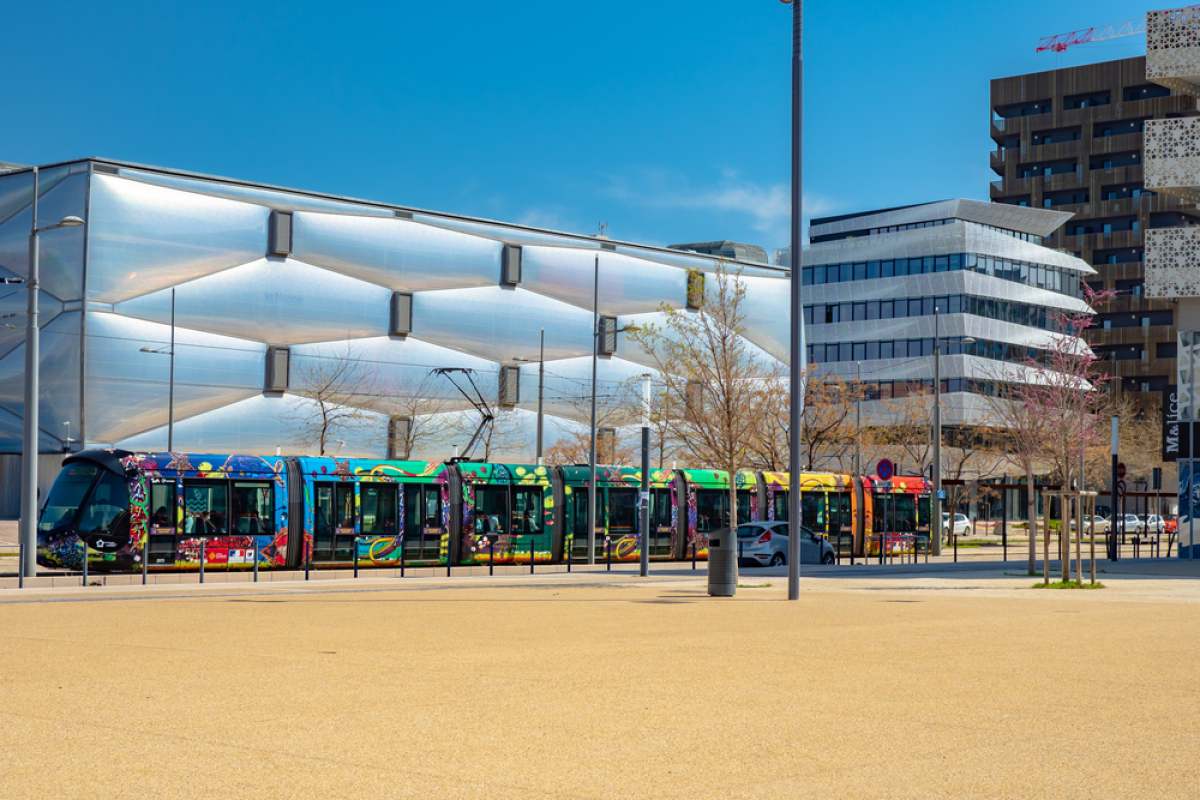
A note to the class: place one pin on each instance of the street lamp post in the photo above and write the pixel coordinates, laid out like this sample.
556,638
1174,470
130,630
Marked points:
858,420
796,334
591,498
171,379
935,524
29,447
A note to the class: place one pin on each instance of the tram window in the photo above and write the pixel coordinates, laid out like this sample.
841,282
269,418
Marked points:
780,500
108,501
253,508
491,509
712,510
433,507
905,519
743,506
205,508
812,510
527,510
324,517
622,511
379,509
841,517
660,508
923,512
162,505
345,506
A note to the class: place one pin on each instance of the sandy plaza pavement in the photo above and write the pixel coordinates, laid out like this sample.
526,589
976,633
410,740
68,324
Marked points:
954,685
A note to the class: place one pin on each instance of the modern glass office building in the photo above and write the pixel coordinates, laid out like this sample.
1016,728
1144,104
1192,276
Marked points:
263,282
880,285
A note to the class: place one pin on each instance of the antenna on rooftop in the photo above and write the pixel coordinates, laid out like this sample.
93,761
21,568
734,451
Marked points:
603,230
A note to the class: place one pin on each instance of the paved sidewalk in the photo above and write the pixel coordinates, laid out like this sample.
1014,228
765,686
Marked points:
956,682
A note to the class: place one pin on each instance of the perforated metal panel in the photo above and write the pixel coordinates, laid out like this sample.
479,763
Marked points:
278,359
402,304
608,335
398,431
510,386
510,268
281,233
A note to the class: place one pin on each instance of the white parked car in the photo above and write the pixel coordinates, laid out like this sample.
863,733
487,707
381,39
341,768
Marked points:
765,544
962,525
1155,524
1102,525
1134,524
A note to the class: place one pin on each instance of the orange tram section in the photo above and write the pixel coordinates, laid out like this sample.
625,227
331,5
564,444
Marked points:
126,511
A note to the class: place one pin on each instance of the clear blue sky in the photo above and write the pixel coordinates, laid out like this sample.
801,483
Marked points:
668,120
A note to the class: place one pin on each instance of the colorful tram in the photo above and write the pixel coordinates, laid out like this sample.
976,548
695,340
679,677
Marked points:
175,508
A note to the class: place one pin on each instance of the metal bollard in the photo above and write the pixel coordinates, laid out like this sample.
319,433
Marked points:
85,559
740,551
881,537
145,559
356,556
491,556
852,549
955,535
531,558
608,553
402,555
256,560
307,560
21,564
693,553
203,555
447,559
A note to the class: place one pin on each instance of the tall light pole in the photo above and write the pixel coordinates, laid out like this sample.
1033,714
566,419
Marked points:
591,500
29,447
171,379
796,336
541,392
935,524
858,420
645,499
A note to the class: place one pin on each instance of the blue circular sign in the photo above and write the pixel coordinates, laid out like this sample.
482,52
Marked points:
884,469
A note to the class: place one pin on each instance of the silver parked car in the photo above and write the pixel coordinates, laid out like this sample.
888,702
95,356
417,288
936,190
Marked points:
765,544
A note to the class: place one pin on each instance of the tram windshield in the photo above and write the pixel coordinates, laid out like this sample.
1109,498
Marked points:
67,494
106,495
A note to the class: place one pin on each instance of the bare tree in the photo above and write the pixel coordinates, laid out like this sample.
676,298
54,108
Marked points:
828,433
617,407
335,393
1048,406
712,385
422,408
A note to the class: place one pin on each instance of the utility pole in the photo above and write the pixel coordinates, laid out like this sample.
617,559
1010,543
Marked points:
858,420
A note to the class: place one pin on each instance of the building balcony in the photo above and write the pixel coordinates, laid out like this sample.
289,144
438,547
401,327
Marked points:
1103,241
1173,262
1172,157
1173,49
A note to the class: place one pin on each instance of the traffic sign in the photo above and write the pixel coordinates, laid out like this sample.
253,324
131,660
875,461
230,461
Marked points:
884,469
1120,488
1121,471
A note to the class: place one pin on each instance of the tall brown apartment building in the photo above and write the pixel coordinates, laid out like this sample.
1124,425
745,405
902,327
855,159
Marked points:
1071,140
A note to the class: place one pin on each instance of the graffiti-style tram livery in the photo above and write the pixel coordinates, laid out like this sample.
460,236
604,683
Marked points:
171,507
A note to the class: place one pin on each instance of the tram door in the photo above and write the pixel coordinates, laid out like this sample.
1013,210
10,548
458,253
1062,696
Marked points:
163,515
422,522
660,523
334,523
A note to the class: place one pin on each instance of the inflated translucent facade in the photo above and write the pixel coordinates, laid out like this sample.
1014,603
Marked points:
211,248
